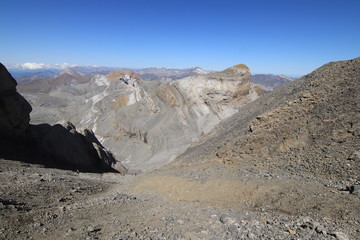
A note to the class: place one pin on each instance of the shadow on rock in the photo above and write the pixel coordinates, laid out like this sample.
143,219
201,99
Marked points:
59,146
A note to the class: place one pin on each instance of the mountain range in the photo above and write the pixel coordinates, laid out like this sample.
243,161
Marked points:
25,73
159,118
34,76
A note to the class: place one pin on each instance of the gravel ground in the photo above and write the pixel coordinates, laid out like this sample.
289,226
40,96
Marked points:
43,203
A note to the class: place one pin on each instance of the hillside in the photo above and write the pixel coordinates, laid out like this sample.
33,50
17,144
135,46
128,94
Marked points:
311,125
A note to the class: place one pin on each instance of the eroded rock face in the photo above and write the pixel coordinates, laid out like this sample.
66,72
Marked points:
14,109
55,146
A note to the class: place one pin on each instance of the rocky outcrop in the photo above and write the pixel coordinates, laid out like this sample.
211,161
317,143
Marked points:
59,146
14,109
220,93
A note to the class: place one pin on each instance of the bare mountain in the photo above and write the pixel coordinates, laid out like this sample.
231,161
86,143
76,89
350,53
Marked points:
46,85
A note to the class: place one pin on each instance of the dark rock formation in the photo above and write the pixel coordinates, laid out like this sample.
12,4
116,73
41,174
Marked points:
14,109
58,146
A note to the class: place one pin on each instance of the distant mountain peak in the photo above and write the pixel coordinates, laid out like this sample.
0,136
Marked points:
70,71
239,68
199,70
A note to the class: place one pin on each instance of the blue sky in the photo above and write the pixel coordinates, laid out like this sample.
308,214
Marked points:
271,36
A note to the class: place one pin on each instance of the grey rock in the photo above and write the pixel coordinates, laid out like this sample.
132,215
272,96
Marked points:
321,229
36,225
341,236
251,235
225,219
355,189
355,155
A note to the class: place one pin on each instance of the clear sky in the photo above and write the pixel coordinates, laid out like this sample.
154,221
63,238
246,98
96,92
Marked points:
291,37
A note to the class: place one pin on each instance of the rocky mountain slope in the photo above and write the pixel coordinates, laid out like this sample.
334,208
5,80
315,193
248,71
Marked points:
310,126
159,120
290,151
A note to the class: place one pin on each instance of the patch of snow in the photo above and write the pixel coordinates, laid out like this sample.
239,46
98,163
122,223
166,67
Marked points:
200,71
